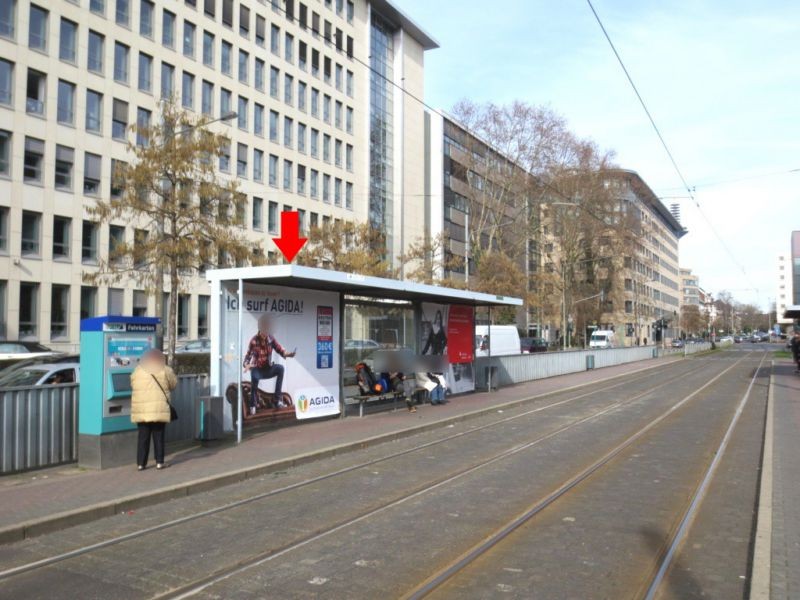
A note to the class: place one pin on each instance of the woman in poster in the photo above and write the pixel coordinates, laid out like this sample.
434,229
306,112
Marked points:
437,338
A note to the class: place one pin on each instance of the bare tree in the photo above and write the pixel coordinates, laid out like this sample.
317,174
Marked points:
346,246
185,219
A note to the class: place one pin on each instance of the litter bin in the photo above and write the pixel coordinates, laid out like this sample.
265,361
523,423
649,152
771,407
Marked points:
491,378
208,417
589,362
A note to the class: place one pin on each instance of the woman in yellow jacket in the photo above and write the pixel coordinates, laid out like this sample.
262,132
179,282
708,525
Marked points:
151,382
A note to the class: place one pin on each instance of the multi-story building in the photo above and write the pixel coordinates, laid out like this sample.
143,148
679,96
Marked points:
652,277
477,200
787,292
327,124
708,308
690,287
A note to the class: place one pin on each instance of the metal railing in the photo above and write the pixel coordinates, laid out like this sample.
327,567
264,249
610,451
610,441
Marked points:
39,424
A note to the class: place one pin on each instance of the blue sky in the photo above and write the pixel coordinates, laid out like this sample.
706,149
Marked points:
721,78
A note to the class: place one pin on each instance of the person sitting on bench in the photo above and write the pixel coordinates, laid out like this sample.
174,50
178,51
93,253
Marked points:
258,361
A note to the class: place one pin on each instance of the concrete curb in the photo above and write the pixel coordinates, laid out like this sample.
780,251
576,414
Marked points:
761,577
64,520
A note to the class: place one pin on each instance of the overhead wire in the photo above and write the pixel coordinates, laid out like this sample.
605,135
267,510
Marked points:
689,189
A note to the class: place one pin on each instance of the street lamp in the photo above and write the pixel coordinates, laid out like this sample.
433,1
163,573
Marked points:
159,300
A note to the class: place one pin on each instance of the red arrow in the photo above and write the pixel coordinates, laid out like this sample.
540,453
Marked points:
290,241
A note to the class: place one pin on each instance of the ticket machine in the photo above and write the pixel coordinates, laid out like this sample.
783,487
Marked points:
111,347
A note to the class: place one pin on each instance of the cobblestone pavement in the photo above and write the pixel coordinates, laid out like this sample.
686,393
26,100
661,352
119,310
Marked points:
432,498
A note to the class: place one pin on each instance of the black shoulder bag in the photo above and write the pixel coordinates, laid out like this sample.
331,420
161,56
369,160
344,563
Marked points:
173,414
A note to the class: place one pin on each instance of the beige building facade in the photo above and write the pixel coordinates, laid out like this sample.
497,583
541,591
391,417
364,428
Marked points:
324,126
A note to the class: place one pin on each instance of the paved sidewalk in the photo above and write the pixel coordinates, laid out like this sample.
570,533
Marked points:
46,500
785,522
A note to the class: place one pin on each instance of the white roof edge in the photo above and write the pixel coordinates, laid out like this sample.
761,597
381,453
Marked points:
378,283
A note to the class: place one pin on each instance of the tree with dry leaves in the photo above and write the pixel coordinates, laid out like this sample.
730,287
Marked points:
185,218
346,246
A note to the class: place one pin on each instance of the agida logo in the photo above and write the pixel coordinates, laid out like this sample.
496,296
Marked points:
317,401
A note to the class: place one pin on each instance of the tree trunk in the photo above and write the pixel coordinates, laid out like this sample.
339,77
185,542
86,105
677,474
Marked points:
173,313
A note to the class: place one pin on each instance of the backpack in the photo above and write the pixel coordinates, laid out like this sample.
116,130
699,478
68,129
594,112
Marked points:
367,382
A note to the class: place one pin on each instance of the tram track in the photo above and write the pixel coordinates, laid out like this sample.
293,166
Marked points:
652,582
273,553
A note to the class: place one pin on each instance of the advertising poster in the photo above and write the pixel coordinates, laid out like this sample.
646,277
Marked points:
449,331
302,323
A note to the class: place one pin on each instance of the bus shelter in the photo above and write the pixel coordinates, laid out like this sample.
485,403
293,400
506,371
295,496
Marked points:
331,320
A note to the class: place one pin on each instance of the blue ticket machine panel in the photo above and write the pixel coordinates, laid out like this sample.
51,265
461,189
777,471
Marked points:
111,347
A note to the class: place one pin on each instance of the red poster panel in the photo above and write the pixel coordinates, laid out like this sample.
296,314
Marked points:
460,334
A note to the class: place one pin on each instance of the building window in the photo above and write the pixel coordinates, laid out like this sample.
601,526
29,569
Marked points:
275,39
34,160
225,157
145,72
274,75
66,102
628,306
168,29
187,90
208,49
89,242
3,231
3,312
31,233
301,179
241,114
326,108
349,83
337,115
8,19
288,48
314,143
5,155
288,126
258,165
302,55
143,117
146,11
272,216
116,183
339,77
287,175
94,111
207,100
121,52
348,196
28,310
188,39
94,60
314,184
259,75
314,102
288,88
6,82
116,241
119,119
183,315
244,59
62,227
273,126
241,160
258,119
326,148
337,153
224,102
258,213
36,92
261,31
88,302
326,188
122,14
348,120
167,80
337,192
92,165
65,160
116,301
227,12
37,28
59,311
273,170
227,51
202,315
244,21
139,303
301,137
67,40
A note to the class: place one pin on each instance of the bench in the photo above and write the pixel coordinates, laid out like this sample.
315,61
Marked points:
353,395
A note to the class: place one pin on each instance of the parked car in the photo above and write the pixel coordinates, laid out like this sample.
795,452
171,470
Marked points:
677,343
531,345
199,346
737,339
41,374
727,338
361,345
10,352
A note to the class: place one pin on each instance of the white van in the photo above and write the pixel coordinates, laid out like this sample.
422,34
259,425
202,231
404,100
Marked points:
602,338
504,340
